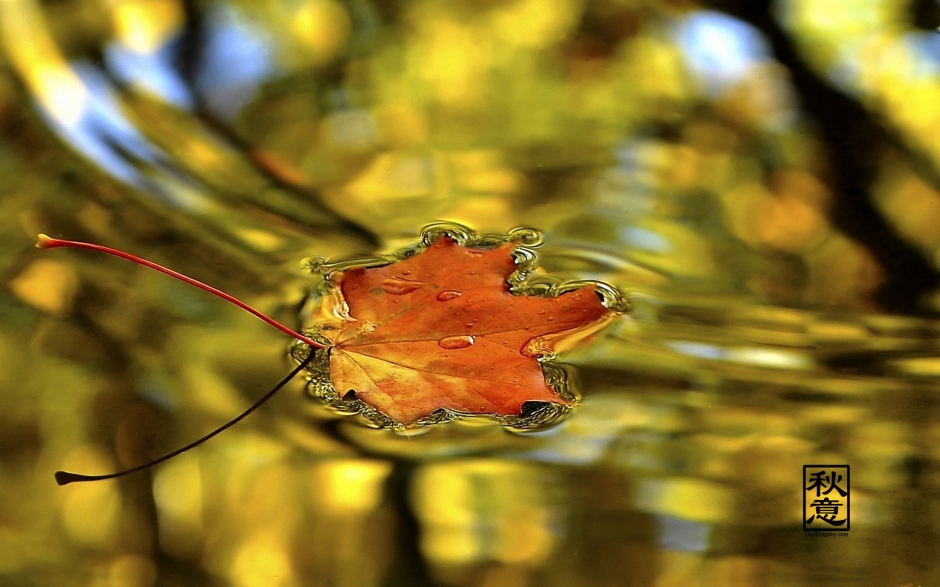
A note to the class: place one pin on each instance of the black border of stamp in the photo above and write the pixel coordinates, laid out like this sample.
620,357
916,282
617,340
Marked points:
848,500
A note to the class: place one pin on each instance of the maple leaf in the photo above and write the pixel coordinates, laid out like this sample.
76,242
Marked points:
442,329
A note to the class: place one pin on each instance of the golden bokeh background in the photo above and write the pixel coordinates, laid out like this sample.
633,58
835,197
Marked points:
762,179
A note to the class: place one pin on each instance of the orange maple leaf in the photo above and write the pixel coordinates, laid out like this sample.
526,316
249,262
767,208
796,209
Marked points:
442,329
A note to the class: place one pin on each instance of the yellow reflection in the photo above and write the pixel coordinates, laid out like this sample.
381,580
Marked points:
132,571
481,510
323,27
90,511
345,487
47,285
663,78
789,224
352,130
789,220
537,23
684,497
920,366
484,171
35,55
768,357
263,561
911,204
260,240
841,271
677,569
673,248
397,176
177,491
146,25
738,570
401,125
453,63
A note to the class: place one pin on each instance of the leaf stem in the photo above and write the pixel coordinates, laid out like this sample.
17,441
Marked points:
65,477
47,242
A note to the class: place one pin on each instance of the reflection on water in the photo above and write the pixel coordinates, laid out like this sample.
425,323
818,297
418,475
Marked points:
763,185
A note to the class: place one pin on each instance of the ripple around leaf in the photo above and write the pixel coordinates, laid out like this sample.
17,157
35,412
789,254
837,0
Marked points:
532,415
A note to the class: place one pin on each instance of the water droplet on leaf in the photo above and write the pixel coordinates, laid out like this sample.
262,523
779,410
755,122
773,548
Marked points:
398,286
448,294
455,342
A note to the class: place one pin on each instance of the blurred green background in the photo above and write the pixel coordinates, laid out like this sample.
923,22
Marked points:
761,178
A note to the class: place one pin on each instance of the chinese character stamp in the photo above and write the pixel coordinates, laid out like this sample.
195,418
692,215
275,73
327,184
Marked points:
825,498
